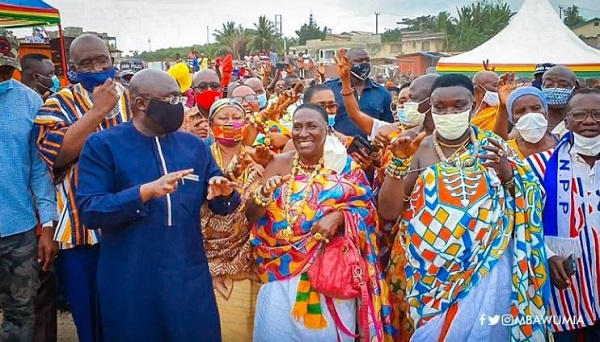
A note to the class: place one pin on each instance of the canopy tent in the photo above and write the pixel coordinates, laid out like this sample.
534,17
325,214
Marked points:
535,35
32,13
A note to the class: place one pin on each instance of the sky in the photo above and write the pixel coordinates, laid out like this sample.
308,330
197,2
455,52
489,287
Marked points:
176,23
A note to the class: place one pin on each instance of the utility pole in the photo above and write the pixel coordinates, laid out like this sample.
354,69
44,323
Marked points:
279,28
207,40
377,14
560,11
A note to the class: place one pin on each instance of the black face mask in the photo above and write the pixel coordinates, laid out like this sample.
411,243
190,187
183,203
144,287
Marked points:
361,70
168,116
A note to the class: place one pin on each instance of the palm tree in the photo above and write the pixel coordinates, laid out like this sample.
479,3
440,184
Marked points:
263,36
232,38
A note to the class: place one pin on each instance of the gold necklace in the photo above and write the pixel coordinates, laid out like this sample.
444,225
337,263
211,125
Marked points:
454,159
288,232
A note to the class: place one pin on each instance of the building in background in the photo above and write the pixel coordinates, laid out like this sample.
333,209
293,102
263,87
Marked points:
70,33
589,32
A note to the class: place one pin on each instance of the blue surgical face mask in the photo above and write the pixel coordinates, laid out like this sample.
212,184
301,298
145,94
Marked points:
4,86
557,96
262,100
90,80
55,84
331,119
401,115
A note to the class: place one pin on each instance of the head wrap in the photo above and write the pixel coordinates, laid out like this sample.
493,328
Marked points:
524,91
223,103
181,73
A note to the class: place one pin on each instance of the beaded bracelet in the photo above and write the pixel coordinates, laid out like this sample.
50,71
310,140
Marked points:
401,163
398,168
260,200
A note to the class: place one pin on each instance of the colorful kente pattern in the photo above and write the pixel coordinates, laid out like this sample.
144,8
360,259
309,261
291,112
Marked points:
458,225
280,259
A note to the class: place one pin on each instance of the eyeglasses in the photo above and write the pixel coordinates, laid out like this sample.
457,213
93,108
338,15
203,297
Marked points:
249,98
202,87
89,64
171,99
581,115
331,106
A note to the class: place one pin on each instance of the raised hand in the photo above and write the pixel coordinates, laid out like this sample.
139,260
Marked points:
506,85
220,186
406,146
497,158
262,155
273,184
267,68
289,69
343,65
105,96
486,66
321,69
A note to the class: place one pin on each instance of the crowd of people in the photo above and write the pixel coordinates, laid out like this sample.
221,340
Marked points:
207,204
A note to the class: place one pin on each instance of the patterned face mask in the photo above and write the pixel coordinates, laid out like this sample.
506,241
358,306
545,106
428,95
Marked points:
557,96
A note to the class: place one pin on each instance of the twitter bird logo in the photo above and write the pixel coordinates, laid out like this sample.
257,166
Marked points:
493,320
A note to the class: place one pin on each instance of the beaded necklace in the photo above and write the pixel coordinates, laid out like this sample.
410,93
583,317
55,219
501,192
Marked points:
454,159
298,169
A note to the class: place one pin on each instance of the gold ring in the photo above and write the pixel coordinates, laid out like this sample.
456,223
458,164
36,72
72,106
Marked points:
318,237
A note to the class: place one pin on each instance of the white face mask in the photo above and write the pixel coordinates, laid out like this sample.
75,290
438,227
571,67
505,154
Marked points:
532,127
335,154
451,126
491,98
586,146
412,115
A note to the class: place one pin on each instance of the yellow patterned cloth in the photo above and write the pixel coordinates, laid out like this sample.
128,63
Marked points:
486,119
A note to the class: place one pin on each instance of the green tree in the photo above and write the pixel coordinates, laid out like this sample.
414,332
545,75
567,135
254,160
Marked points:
394,35
478,22
423,23
571,16
233,39
263,36
310,30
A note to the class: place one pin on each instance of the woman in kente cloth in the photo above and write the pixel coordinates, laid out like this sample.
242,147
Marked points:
226,238
309,197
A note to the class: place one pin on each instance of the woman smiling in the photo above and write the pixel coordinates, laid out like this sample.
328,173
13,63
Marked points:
302,206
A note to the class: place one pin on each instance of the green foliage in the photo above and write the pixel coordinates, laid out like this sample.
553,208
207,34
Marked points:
310,31
264,35
211,50
474,24
394,35
233,39
571,16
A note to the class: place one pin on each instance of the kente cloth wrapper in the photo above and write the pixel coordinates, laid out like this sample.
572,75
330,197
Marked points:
572,227
486,119
458,225
280,259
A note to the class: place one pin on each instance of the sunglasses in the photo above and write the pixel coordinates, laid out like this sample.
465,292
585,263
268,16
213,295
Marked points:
201,87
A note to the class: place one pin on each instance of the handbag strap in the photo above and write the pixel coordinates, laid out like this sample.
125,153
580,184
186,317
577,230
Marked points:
336,318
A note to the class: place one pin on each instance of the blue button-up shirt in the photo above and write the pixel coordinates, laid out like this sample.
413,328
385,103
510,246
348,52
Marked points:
375,101
25,183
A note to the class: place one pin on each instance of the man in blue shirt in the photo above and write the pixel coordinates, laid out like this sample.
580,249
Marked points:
25,186
372,98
